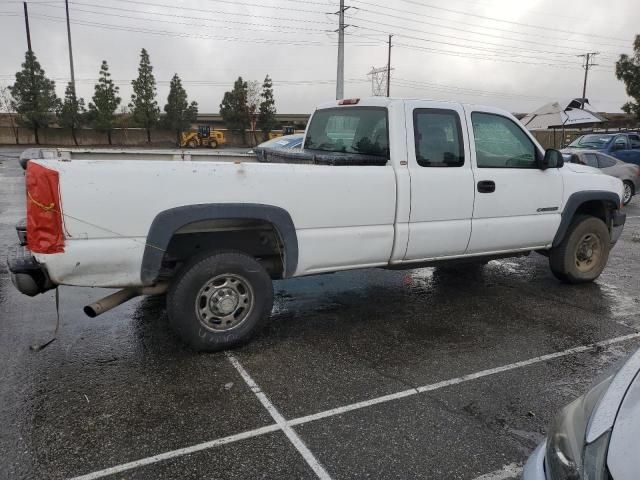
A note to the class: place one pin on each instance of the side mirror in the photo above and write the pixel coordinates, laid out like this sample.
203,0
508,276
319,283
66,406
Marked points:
552,159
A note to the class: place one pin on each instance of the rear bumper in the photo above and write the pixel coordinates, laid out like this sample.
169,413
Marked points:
617,225
27,275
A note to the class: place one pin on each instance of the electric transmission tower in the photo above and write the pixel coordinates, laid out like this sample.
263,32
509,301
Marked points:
379,81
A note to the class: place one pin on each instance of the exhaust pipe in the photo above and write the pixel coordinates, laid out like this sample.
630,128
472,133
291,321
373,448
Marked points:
118,298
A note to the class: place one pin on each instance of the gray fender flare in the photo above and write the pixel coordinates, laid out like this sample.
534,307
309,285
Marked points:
167,222
574,202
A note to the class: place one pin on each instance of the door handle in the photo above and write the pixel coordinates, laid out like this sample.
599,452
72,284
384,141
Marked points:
486,186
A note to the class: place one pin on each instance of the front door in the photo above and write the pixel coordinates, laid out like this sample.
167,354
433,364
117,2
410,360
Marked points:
517,205
441,180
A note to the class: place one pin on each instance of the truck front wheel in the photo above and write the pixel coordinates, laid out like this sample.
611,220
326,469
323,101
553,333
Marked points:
584,251
219,300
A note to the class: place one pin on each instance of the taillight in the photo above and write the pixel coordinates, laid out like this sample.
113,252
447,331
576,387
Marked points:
44,212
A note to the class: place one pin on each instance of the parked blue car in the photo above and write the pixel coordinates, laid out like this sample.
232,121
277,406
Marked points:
623,146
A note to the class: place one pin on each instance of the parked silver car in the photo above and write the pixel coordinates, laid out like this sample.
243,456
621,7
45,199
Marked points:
596,436
627,172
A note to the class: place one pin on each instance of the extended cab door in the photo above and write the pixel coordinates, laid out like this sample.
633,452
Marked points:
517,205
441,180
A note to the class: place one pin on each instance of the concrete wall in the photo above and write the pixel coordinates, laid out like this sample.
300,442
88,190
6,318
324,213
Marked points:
130,137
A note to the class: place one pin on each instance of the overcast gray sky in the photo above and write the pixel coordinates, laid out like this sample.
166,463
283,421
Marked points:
515,54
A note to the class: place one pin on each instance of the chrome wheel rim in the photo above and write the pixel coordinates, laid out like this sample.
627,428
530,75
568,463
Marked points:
224,302
627,193
588,253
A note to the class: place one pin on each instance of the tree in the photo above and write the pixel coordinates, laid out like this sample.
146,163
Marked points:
234,108
102,112
267,113
71,111
253,104
5,107
179,113
628,70
34,96
143,100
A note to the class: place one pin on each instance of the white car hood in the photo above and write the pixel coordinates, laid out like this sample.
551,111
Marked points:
623,459
577,168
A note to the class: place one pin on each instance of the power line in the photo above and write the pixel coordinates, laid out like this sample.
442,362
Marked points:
191,24
466,31
461,22
215,12
511,22
183,34
506,53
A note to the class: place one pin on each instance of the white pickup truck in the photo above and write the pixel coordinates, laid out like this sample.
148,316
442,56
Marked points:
381,182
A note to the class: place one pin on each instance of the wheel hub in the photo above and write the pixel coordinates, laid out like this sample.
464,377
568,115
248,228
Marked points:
224,302
588,252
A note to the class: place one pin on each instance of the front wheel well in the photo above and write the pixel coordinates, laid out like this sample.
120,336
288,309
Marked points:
595,208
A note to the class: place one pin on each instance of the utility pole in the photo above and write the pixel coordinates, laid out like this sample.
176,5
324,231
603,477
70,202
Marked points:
340,75
588,63
389,68
73,78
26,23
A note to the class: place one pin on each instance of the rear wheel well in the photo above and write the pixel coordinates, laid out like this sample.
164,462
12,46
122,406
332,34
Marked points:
257,238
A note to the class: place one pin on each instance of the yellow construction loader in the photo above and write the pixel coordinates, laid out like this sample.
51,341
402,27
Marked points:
204,137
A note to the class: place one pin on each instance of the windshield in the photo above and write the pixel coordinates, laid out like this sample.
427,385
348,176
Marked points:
349,130
591,141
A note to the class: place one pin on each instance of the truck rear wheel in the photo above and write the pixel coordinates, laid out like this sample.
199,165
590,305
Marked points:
213,144
584,251
219,300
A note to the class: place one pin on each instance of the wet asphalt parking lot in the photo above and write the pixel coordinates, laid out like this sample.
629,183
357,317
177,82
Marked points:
367,374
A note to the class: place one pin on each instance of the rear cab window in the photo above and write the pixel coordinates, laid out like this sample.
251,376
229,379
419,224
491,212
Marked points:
352,130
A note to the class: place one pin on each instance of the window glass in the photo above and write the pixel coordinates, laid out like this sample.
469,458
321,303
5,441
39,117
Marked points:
591,141
635,141
438,138
606,162
620,143
590,160
349,130
501,143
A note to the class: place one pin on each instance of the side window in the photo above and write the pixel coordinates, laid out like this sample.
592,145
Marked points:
606,162
438,138
635,141
620,143
501,143
590,159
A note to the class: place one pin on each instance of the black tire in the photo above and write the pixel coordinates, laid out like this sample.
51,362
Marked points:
213,144
628,185
192,309
584,251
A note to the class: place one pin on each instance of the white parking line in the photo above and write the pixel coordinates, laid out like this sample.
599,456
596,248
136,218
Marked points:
279,419
284,425
178,453
508,471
